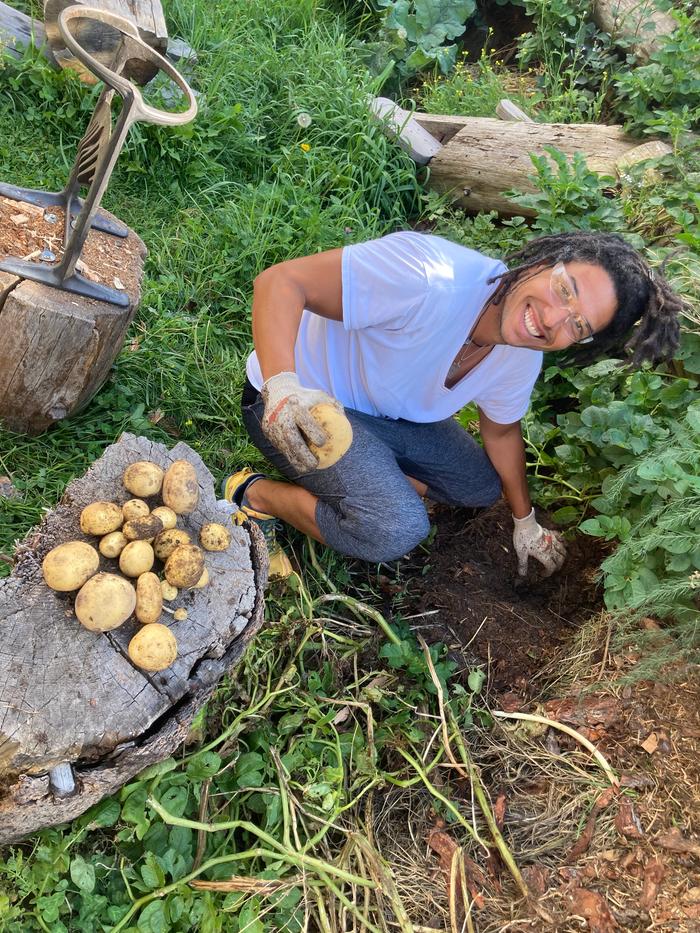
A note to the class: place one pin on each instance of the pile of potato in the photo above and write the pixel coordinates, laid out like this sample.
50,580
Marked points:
138,537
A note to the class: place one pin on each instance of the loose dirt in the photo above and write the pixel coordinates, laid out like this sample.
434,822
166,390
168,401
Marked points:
466,589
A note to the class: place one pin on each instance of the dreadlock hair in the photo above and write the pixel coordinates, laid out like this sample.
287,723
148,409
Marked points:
643,295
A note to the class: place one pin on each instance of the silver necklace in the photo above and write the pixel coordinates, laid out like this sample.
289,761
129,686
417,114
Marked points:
468,350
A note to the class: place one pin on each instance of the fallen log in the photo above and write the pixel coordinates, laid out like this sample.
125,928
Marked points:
17,30
57,347
72,697
482,157
638,25
103,42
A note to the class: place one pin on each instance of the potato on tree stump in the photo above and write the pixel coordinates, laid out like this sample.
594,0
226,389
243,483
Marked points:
77,718
57,347
103,41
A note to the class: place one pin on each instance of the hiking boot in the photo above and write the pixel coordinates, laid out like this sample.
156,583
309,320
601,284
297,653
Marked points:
234,490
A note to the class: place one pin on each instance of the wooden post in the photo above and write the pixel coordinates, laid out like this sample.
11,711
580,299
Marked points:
57,347
70,699
103,42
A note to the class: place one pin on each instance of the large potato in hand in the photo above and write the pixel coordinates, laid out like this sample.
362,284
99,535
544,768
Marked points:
168,540
136,558
339,431
181,487
143,478
149,598
99,518
153,648
105,602
214,537
185,566
68,566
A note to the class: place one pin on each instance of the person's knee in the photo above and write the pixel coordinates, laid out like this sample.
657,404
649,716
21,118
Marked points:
385,534
398,535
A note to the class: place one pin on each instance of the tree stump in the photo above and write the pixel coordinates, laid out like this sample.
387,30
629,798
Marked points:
483,157
57,348
103,42
72,695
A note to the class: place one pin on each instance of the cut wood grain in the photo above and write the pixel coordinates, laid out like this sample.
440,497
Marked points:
71,695
17,30
104,42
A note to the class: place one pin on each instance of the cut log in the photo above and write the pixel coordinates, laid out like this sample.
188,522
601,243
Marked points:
400,124
103,42
57,347
72,696
639,25
18,30
507,110
483,157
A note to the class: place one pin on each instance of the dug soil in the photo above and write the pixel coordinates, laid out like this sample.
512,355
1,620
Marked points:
464,591
595,857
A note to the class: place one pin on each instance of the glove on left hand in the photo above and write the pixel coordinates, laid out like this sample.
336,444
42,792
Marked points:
530,539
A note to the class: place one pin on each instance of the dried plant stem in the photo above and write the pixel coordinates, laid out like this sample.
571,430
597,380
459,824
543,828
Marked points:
459,883
356,605
581,739
469,771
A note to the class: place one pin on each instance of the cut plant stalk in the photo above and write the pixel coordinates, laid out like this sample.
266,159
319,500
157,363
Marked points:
471,773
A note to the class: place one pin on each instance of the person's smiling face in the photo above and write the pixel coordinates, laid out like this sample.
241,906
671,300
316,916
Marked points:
534,315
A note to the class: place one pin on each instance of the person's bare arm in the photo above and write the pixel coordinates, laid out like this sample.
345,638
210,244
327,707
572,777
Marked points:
506,450
280,295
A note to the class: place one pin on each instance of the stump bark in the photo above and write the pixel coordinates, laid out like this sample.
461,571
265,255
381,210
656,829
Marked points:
57,347
483,157
103,42
72,695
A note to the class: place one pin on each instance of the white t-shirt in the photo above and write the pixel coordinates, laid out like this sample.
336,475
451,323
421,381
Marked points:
409,301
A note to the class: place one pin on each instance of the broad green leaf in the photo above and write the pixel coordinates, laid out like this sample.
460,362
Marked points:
154,918
82,874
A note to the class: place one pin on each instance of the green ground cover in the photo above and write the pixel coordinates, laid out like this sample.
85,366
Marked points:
249,184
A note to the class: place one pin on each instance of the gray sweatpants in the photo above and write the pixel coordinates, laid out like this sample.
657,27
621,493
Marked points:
366,506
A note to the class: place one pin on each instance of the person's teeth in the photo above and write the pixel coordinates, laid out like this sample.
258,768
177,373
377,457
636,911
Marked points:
530,324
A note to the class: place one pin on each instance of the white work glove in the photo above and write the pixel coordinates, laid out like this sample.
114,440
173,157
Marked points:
530,539
287,420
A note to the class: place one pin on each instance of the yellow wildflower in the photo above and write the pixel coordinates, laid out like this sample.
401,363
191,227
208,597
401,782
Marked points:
305,147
